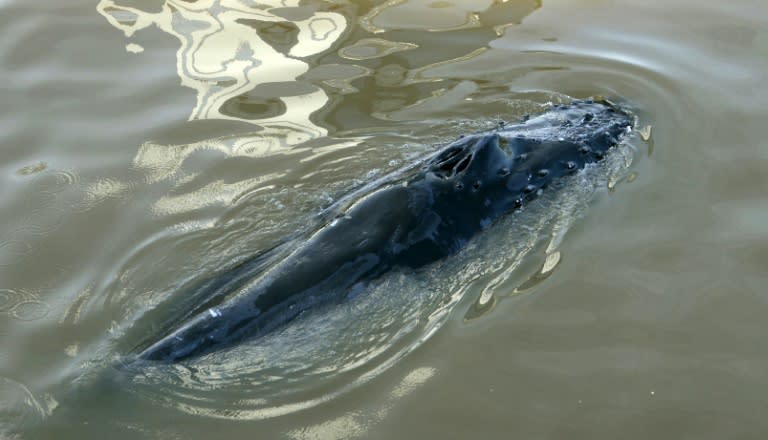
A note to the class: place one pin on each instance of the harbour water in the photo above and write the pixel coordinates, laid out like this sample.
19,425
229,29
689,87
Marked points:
146,146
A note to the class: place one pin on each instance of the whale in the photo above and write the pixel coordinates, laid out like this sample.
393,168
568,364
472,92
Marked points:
424,215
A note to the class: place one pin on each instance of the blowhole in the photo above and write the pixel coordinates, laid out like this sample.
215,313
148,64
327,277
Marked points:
451,162
463,164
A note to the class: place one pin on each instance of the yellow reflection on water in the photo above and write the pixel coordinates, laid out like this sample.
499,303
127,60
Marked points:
243,61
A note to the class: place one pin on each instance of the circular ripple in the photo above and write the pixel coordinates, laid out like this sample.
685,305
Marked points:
8,300
13,250
99,191
30,310
43,220
57,181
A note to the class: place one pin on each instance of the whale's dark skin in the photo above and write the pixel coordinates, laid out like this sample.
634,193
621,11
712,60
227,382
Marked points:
420,219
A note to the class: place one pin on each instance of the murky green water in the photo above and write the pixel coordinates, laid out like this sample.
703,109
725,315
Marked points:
146,145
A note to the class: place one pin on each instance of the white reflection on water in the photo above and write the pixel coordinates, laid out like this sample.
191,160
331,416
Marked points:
224,57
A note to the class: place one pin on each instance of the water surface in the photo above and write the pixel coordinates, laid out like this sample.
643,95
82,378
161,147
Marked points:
145,146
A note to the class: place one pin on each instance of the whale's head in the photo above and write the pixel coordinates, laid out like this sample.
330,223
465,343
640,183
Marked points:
469,181
486,175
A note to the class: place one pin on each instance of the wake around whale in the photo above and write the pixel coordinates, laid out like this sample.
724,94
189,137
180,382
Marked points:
428,214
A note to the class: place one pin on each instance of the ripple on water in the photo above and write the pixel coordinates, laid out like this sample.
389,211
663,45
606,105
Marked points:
18,407
330,351
21,305
10,298
30,310
13,249
56,181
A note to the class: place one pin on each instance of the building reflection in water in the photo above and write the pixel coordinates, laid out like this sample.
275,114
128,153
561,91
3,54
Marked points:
275,62
243,61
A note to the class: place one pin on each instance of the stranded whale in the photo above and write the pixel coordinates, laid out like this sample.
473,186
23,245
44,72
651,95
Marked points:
427,215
